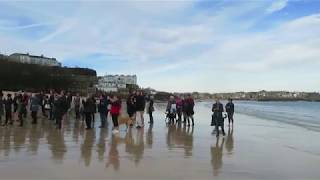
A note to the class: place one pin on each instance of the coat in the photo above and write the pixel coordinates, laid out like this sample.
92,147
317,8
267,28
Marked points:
34,104
217,117
115,107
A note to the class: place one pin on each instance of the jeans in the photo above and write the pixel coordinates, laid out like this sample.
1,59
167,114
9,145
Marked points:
151,117
34,117
115,120
103,118
88,119
77,111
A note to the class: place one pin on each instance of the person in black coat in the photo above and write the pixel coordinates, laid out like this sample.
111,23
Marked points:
217,117
59,109
230,111
89,108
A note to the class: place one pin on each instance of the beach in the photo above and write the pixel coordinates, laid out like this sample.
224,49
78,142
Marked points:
255,148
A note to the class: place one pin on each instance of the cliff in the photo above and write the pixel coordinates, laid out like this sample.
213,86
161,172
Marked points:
18,76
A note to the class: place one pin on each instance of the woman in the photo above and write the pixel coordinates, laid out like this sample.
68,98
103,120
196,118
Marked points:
150,109
171,109
131,106
115,111
217,118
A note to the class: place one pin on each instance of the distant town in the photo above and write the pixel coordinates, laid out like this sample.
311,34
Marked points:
123,83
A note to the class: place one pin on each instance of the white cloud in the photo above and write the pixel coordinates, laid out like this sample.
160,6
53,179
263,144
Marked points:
277,6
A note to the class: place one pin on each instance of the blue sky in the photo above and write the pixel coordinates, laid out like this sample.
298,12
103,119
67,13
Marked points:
206,46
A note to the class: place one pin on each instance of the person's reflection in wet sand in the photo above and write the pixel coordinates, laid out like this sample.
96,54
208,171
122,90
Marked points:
216,156
101,145
6,141
113,158
180,137
19,138
34,136
86,147
188,142
57,145
76,131
149,136
138,146
230,141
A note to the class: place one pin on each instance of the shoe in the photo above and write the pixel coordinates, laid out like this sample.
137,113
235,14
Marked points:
115,131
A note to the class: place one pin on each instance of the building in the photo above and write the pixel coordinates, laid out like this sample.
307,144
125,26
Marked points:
111,83
31,59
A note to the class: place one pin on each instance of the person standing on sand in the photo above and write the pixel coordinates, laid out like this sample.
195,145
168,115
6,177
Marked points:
230,111
51,102
115,111
25,99
8,103
88,110
171,110
140,106
179,108
189,109
102,109
150,109
58,109
1,106
34,107
21,109
217,118
131,106
76,103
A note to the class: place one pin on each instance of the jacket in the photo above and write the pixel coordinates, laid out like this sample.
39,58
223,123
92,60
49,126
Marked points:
115,107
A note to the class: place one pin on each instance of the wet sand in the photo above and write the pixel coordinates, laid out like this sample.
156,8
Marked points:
253,149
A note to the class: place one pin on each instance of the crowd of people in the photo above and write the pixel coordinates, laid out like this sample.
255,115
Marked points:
57,106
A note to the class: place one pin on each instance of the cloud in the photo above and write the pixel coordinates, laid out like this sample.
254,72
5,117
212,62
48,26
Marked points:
278,5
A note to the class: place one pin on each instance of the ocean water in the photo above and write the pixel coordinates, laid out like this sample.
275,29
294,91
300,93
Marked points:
299,113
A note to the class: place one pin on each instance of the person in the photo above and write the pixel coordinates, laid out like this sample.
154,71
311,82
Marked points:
217,118
102,109
64,104
140,106
69,101
171,109
34,107
150,109
230,111
41,97
21,109
8,103
131,106
15,103
189,105
58,110
76,103
1,106
46,106
25,99
88,110
179,108
93,110
115,111
51,102
184,108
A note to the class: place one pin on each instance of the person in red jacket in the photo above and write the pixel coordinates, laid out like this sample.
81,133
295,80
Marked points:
115,111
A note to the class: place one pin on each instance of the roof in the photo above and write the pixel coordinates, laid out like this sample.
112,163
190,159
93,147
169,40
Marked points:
34,56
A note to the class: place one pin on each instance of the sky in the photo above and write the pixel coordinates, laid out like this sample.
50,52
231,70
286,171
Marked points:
175,46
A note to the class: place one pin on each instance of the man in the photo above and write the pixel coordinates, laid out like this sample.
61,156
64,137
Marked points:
102,109
179,108
217,118
1,106
230,111
59,109
76,103
131,106
34,107
25,99
189,104
88,109
51,102
8,103
140,106
21,109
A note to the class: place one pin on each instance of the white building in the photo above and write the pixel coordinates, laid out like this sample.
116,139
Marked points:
110,83
31,59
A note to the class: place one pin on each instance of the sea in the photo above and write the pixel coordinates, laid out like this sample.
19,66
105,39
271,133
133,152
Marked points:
299,113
